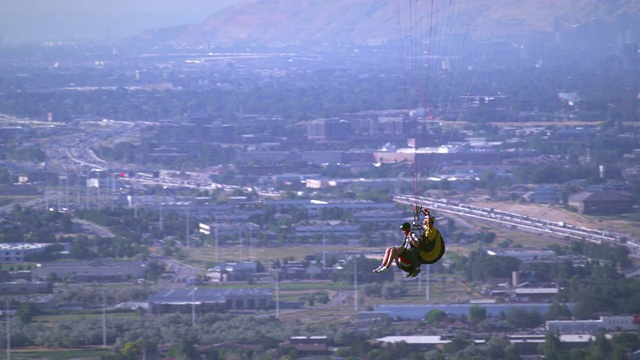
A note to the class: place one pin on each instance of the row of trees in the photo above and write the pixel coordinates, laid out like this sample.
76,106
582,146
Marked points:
137,336
597,294
323,92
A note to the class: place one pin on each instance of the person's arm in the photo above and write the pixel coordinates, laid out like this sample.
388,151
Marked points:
428,232
414,241
407,241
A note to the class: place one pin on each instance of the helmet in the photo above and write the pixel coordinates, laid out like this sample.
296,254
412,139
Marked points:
406,226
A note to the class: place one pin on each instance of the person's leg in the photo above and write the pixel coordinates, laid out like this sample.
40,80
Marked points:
385,261
412,255
388,256
404,264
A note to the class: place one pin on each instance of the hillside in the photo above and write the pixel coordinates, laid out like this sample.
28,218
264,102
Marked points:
272,22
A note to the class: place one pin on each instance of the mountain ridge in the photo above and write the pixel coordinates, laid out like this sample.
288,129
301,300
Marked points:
282,22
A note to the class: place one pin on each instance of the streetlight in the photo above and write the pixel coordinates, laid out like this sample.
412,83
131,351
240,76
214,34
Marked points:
8,331
193,306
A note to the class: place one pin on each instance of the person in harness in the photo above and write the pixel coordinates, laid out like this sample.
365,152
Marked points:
430,250
407,251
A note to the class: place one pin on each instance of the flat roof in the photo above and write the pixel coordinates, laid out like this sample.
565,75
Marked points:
21,246
419,339
533,291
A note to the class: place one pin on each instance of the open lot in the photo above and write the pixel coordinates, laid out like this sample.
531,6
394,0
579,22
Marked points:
625,224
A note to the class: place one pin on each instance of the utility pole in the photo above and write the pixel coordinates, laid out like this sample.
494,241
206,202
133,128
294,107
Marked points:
113,189
216,242
58,195
193,306
133,202
428,291
324,253
66,192
188,235
160,215
8,332
104,320
355,283
277,294
98,192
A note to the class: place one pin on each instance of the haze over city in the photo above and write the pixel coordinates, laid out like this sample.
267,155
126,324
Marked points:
310,179
83,20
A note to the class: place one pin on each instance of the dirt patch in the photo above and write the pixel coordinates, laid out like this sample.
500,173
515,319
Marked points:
554,213
545,212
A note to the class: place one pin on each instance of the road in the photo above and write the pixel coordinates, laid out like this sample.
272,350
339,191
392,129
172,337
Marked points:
93,228
558,229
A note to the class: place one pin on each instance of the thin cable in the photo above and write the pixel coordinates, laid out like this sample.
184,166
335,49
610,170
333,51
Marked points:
410,80
450,97
426,103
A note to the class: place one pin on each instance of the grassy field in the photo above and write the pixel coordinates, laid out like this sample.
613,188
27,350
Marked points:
442,288
85,315
206,255
56,354
14,267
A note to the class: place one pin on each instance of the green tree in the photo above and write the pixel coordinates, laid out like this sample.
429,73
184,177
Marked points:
26,312
511,353
557,311
477,314
5,177
600,348
364,267
458,343
436,316
551,349
130,350
187,347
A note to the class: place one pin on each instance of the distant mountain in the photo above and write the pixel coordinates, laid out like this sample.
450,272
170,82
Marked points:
282,22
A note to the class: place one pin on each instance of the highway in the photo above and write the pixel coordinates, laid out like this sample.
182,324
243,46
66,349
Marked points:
72,151
521,222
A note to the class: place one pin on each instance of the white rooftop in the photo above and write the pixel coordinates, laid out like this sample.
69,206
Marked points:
22,246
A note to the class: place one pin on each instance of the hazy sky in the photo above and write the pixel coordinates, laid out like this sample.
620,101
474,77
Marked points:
65,20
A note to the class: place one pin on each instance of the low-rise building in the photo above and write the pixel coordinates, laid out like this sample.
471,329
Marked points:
543,195
316,345
530,344
526,294
25,287
18,190
603,202
604,323
232,271
328,228
524,254
208,300
420,342
90,271
19,252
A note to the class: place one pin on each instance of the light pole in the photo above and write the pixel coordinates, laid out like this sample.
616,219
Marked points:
8,332
277,294
428,291
187,229
193,306
104,320
355,283
324,253
215,229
